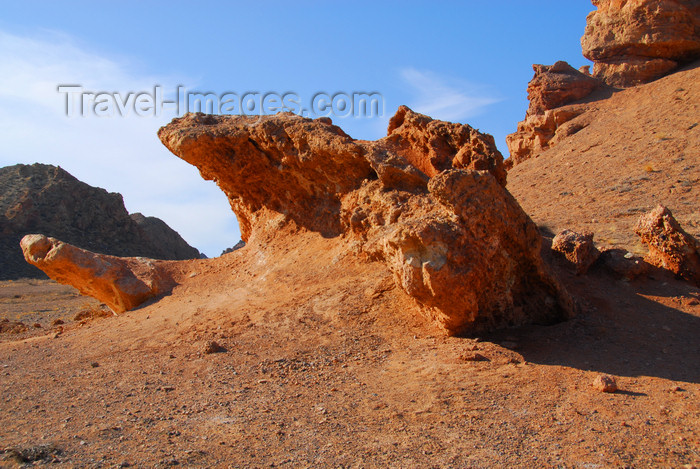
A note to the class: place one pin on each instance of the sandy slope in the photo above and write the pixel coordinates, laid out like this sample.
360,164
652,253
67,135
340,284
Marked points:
328,365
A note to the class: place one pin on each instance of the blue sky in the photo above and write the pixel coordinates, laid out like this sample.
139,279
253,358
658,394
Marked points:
466,61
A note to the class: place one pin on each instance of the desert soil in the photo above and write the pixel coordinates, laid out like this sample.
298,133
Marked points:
326,364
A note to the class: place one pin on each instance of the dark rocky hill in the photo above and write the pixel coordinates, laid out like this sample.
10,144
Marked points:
46,199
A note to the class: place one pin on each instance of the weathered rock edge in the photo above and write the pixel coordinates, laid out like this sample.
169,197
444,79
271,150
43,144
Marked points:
551,116
670,246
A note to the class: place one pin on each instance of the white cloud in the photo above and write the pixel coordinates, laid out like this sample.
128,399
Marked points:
446,98
121,154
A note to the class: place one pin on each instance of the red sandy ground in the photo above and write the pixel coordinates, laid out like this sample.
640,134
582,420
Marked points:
328,365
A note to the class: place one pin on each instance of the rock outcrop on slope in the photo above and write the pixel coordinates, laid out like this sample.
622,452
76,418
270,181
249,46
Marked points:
556,85
631,42
549,119
46,199
670,247
637,41
578,249
454,238
639,148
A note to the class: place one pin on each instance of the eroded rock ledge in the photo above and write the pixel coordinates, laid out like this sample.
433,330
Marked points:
429,200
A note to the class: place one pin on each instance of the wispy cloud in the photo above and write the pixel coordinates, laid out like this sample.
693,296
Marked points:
444,97
121,154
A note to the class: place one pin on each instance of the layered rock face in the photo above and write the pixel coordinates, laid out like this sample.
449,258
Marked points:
428,200
548,120
637,41
46,199
122,283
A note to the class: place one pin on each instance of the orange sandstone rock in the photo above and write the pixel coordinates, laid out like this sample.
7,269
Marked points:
637,41
455,239
605,383
122,283
577,248
550,118
428,200
670,247
433,146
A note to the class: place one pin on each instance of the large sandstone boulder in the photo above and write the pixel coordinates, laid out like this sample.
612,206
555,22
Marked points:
637,41
428,200
46,199
670,247
122,283
549,116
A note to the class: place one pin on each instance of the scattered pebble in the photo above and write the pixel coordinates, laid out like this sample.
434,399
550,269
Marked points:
213,347
605,383
57,322
94,364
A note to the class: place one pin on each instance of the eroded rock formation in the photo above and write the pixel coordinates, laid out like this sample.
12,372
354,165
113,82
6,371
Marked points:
637,41
556,85
670,247
433,145
548,120
428,200
122,283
